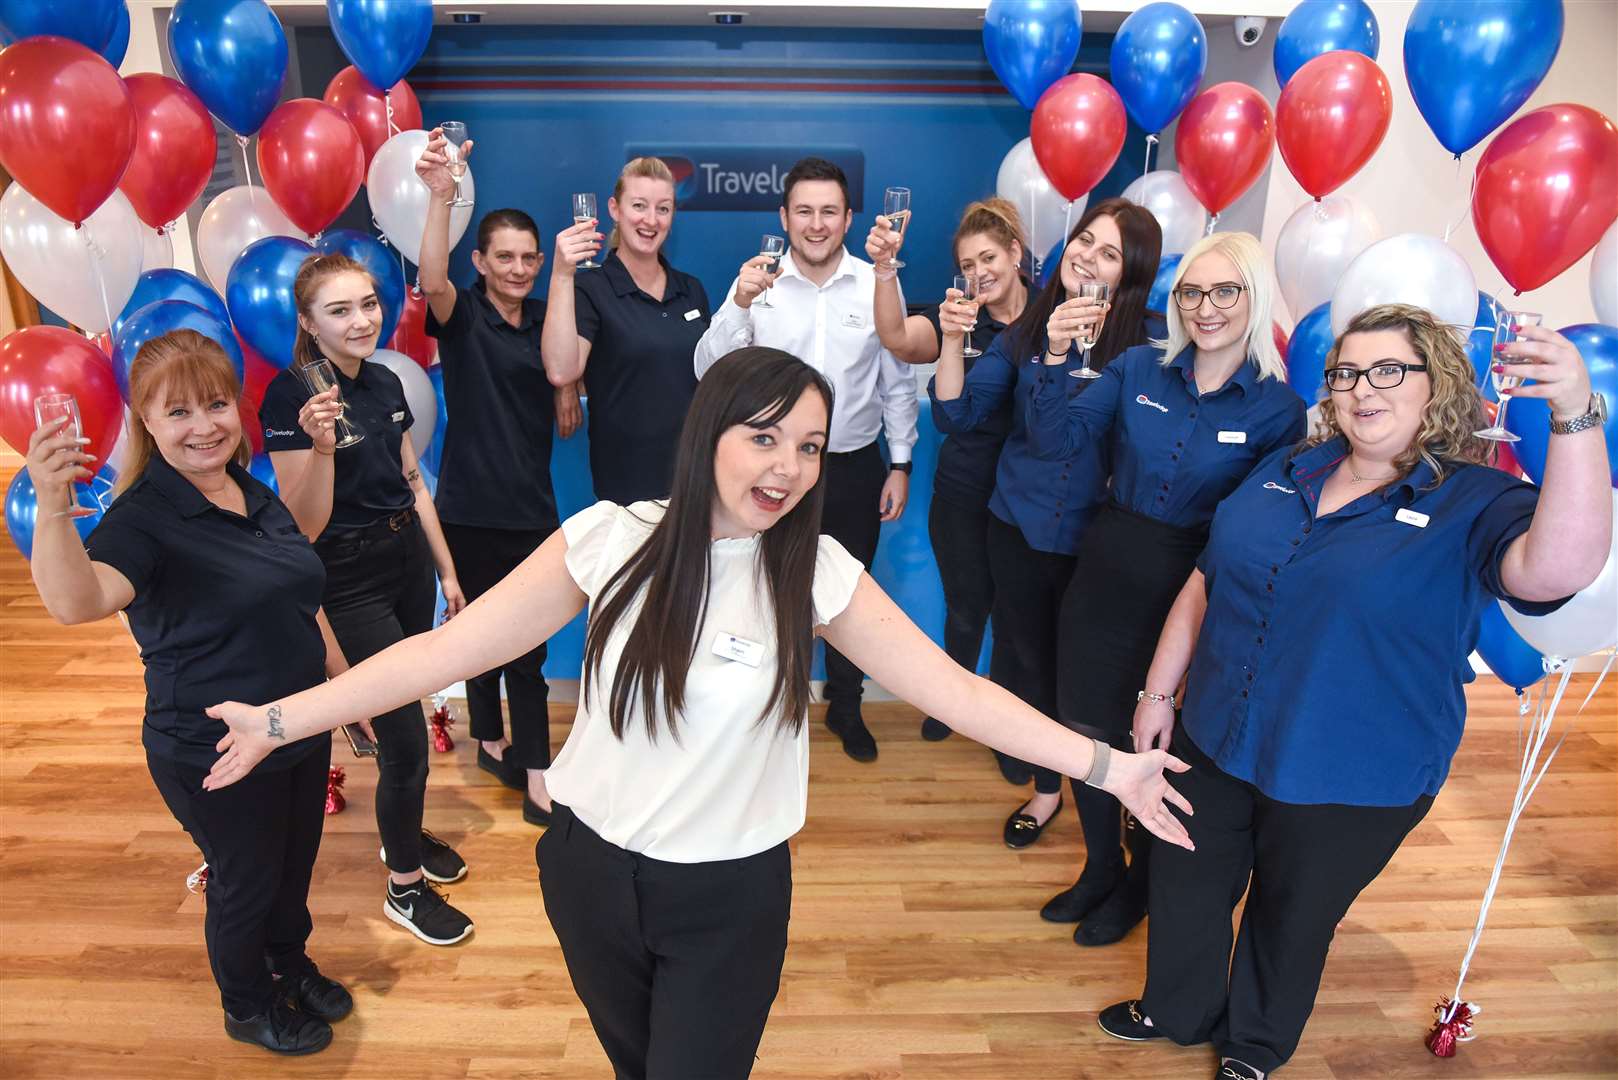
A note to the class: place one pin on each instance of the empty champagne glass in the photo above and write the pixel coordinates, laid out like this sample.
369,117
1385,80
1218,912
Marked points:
454,138
318,376
772,247
50,407
967,286
1505,332
1094,290
584,209
896,208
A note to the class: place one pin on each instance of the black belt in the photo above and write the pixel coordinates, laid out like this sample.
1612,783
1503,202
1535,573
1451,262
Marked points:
394,523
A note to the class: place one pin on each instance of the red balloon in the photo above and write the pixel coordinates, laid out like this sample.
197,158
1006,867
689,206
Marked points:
1283,341
175,149
53,360
259,372
1077,131
67,124
411,337
1546,189
1223,143
367,108
312,162
1333,114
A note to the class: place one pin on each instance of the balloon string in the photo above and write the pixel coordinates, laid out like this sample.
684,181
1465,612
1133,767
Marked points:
247,171
387,99
1450,226
1151,141
95,267
1213,220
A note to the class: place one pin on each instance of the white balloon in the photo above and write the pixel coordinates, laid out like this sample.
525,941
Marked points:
419,395
1178,213
1604,277
67,268
1408,269
157,250
1316,245
1585,624
234,219
399,197
1045,214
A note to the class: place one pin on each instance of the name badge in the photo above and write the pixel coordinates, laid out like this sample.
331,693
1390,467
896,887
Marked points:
398,417
1412,517
731,647
1238,437
693,315
855,320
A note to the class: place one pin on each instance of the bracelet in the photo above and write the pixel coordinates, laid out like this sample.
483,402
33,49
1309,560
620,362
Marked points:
1058,357
323,453
1097,775
1147,695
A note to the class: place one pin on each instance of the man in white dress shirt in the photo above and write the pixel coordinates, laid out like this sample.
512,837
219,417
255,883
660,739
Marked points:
819,310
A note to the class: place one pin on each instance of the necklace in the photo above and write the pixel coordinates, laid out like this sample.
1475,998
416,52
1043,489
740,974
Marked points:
1358,479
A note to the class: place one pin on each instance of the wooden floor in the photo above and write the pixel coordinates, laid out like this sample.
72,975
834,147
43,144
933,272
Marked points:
915,948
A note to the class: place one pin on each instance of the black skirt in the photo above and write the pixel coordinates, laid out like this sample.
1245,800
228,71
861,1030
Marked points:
1129,570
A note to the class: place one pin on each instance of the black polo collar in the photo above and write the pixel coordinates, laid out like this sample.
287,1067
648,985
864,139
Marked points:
185,497
623,282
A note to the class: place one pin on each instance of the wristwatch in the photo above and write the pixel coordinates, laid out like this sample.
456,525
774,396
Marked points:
1594,418
900,466
1147,695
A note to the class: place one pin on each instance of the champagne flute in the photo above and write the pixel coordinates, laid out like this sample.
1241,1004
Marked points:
584,209
1092,290
896,208
1505,332
772,247
967,286
454,138
52,407
318,376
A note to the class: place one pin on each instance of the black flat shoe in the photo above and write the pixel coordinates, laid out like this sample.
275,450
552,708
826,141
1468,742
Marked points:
1072,904
1017,773
857,740
1231,1069
320,997
1114,918
1124,1021
1023,829
281,1030
502,770
934,730
533,813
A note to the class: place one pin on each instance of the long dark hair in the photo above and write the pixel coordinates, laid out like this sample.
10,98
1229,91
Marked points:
1125,325
753,386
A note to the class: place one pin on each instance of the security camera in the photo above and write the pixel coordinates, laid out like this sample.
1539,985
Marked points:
728,18
1249,28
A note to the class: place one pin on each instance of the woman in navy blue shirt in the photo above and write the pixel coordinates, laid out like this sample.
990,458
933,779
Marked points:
1184,422
1326,635
1039,507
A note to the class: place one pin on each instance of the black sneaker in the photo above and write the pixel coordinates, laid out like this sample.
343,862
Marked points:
1231,1069
1124,1021
438,860
421,909
502,769
856,737
281,1030
934,730
316,995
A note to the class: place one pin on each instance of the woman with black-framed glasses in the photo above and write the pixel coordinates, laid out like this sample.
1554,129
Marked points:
1183,421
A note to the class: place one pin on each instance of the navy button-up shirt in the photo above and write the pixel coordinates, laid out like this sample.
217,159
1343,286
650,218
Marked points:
1334,650
1175,452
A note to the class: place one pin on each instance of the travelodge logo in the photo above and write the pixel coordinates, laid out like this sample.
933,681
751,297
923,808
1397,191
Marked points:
744,177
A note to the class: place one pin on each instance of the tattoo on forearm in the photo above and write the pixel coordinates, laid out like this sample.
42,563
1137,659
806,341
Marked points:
412,476
276,731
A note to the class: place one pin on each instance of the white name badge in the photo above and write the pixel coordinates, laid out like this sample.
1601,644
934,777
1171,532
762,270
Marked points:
1233,436
1412,517
854,319
731,647
693,315
398,417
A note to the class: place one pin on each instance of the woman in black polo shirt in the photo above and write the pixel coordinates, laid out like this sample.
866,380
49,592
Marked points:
215,577
372,522
634,325
494,480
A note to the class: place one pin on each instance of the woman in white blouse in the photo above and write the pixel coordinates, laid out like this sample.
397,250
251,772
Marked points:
666,873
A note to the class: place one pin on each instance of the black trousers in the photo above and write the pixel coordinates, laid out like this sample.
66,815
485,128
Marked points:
379,591
1301,867
482,557
1028,589
960,536
676,963
853,517
260,837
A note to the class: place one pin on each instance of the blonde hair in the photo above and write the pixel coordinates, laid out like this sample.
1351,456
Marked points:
315,271
995,218
180,363
1245,253
1450,416
641,168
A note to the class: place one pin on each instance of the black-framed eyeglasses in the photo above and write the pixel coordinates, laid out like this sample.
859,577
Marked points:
1381,376
1224,296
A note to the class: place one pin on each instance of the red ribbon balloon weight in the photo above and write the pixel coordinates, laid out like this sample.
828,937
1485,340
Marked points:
1078,128
1332,116
1223,143
312,162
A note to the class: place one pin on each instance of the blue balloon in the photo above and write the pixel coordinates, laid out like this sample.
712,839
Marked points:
264,472
384,266
118,45
1158,58
166,284
382,38
1031,43
92,23
155,320
233,55
1159,298
1513,661
1530,418
1471,65
1053,259
1480,342
1306,354
22,510
1316,27
259,295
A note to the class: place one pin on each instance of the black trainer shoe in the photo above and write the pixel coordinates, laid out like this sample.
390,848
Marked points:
502,769
1124,1021
281,1030
1231,1069
316,995
1023,829
533,813
438,860
934,730
857,740
421,909
1094,885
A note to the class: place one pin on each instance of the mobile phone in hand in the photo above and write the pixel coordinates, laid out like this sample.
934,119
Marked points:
359,742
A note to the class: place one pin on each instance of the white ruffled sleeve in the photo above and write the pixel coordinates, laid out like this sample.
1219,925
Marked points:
836,575
589,536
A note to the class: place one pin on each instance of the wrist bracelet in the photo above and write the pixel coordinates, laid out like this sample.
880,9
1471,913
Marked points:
1098,764
1147,695
323,453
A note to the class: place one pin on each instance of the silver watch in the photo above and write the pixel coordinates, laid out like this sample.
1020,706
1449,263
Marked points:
1596,417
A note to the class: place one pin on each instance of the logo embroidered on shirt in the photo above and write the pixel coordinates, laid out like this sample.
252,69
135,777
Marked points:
1271,485
1142,399
270,433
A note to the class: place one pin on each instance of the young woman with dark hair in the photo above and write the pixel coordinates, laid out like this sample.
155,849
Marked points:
666,873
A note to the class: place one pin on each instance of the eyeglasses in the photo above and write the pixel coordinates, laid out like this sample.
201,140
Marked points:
1382,376
1223,296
